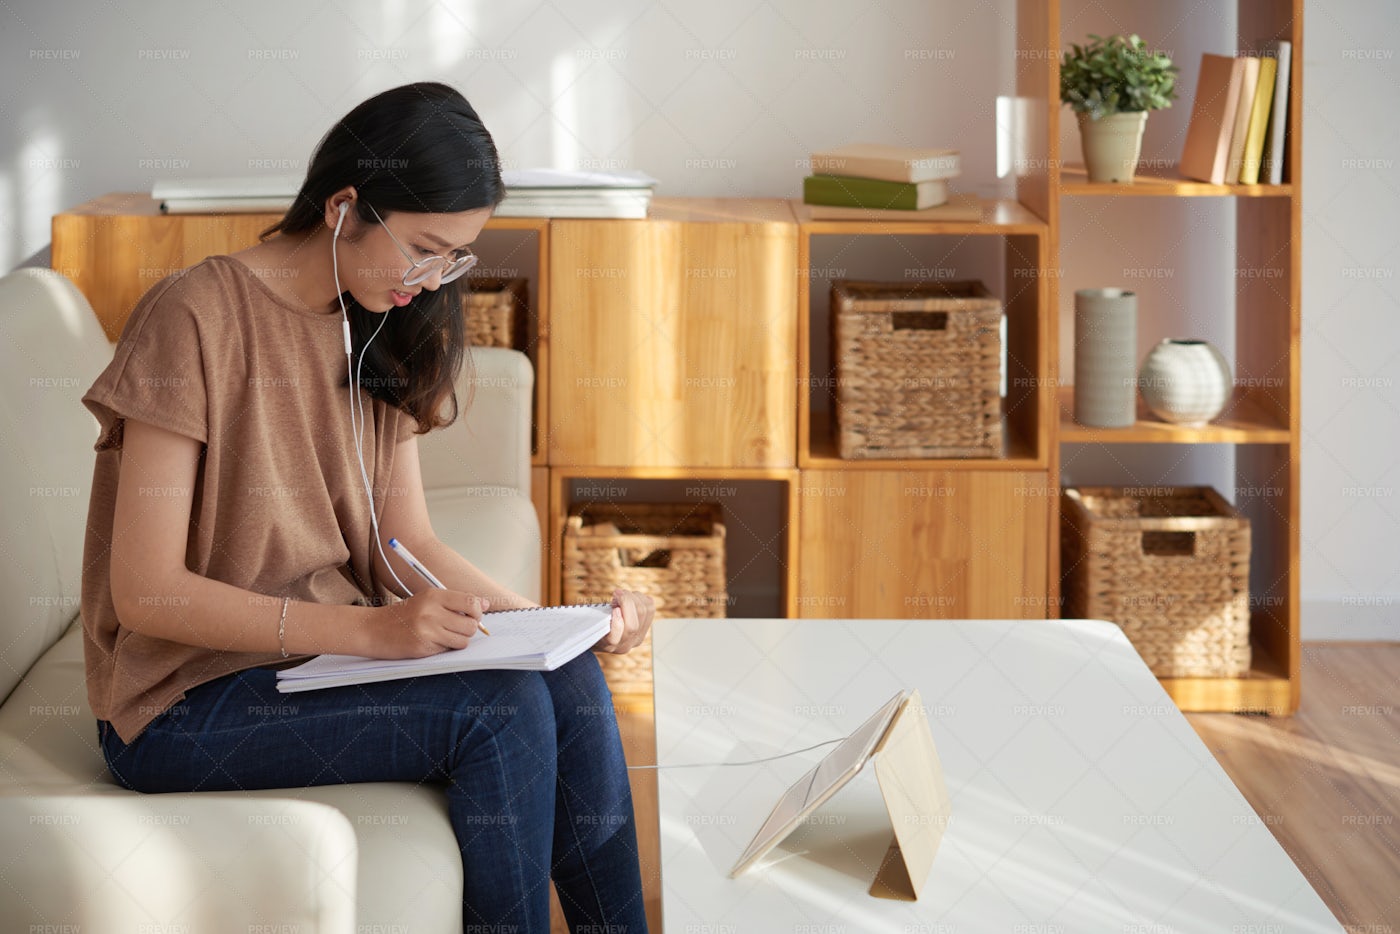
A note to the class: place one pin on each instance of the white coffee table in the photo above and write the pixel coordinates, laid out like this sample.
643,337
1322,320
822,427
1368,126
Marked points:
1082,800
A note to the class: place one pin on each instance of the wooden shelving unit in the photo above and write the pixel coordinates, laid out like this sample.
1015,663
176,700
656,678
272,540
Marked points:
685,349
1262,420
931,538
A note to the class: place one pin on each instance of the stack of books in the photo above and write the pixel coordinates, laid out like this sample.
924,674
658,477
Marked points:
1240,118
871,181
568,193
264,194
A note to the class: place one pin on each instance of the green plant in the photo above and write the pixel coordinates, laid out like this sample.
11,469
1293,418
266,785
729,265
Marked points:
1116,74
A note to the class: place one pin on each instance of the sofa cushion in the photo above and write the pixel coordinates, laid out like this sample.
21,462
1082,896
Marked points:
54,348
489,444
476,521
410,871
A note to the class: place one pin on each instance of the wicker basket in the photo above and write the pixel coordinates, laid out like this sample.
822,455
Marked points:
918,369
495,311
673,552
1168,564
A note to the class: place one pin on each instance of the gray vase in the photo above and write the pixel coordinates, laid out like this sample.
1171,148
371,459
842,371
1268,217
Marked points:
1105,358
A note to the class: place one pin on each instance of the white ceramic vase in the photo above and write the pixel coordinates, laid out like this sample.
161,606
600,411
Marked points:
1112,145
1185,381
1105,358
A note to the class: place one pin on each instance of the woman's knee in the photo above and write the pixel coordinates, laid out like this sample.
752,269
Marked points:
580,689
514,707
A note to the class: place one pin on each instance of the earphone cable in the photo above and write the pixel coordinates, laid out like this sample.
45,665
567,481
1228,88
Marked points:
706,765
353,377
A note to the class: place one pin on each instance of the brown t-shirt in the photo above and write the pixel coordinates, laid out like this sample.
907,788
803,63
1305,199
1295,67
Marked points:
279,505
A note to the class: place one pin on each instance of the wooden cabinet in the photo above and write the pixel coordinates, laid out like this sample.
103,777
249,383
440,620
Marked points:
923,544
116,247
674,338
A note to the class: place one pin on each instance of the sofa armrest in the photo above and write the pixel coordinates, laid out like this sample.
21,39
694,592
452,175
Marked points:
176,862
489,444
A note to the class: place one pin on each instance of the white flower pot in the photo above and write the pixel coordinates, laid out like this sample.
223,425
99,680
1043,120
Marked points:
1105,358
1112,145
1186,382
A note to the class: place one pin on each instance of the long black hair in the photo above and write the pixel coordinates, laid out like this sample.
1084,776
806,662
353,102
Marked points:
421,148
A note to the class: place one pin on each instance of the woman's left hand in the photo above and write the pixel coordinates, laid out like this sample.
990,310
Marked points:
631,621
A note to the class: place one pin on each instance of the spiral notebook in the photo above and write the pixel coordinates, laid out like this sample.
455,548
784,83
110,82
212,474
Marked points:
533,639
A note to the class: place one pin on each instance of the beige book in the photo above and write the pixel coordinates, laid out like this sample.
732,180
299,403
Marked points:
891,163
1207,150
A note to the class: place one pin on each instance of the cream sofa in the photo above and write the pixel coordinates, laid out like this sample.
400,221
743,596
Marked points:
82,854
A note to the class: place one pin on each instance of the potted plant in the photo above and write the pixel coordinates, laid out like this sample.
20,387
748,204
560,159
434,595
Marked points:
1111,84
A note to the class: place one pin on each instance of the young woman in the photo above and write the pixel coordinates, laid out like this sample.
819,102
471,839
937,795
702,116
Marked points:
231,533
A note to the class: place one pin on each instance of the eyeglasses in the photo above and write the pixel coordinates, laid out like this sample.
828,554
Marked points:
423,269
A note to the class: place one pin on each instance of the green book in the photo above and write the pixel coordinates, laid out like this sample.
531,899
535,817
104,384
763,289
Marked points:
856,192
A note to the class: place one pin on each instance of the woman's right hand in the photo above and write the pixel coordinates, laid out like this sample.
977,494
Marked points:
429,622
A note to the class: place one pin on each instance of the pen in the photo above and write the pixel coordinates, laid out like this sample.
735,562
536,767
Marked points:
402,551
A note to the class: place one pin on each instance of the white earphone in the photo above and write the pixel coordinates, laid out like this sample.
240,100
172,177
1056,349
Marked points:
355,392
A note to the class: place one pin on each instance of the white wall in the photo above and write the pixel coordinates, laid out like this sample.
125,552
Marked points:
716,98
1351,321
725,98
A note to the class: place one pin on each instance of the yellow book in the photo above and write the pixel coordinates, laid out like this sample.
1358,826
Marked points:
1258,122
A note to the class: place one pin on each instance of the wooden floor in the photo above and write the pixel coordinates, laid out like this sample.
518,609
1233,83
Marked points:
1326,781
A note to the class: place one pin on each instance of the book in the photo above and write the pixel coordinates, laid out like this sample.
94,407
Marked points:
1258,122
1278,117
959,208
850,191
272,205
575,178
1207,149
890,163
570,193
533,639
1240,133
565,206
227,186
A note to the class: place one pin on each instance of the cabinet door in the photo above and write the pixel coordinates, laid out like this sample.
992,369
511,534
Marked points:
115,259
673,344
936,544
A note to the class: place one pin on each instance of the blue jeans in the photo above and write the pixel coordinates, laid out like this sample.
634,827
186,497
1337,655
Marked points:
532,762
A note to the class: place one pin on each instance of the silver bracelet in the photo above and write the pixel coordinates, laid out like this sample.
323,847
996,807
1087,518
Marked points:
282,627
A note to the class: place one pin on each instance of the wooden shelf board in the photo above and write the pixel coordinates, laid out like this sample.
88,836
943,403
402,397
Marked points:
1256,691
1002,216
1265,687
141,204
1165,182
565,471
823,455
1243,422
725,210
517,223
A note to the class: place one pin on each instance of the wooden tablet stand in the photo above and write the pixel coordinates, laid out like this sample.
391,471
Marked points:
916,798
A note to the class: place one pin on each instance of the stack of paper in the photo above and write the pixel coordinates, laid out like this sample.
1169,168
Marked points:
567,193
271,194
535,639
